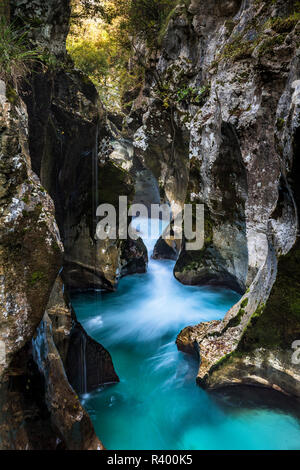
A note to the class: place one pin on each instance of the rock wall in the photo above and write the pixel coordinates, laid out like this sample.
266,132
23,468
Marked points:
217,122
47,23
52,125
31,255
72,129
71,363
226,75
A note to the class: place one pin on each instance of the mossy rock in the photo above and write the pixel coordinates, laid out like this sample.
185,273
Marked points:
277,324
36,277
285,25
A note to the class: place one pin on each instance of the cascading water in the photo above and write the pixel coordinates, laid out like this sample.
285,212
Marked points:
157,405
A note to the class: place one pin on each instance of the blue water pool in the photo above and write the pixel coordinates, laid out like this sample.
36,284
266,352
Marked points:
157,404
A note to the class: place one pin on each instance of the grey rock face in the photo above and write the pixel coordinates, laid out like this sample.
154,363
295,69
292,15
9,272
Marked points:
50,135
71,363
165,249
47,22
238,65
31,255
223,189
67,414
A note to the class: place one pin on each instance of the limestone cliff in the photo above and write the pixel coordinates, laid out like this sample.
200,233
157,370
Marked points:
220,118
51,124
216,122
31,255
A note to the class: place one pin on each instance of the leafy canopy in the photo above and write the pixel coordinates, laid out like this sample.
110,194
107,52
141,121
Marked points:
102,37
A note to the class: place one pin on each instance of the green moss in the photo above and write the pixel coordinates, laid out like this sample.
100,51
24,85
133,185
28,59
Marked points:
36,277
285,25
235,321
230,25
196,96
277,324
280,123
26,199
238,49
220,363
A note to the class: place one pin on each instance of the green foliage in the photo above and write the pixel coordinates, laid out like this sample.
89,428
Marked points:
51,61
101,45
172,95
90,57
16,57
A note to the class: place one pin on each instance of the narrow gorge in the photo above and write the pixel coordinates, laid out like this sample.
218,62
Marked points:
142,343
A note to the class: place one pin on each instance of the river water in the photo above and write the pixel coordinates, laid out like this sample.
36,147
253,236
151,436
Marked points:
157,404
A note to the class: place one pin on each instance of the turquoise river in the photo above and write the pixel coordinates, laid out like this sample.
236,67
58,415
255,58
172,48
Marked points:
157,404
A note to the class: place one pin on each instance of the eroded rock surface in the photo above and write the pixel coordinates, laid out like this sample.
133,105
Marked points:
227,77
73,129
